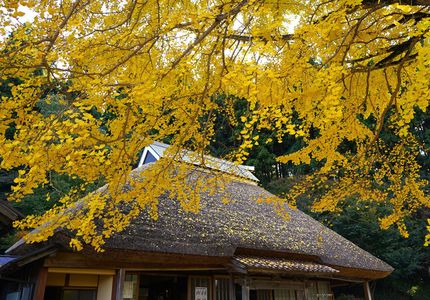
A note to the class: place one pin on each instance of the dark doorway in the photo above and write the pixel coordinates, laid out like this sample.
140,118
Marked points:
162,288
261,295
60,293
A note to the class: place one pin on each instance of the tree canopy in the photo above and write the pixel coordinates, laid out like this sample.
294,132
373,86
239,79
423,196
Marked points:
88,83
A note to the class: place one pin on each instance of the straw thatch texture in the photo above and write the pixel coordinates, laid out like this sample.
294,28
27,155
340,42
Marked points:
219,229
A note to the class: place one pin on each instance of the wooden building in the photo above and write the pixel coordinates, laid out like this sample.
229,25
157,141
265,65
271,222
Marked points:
241,250
8,214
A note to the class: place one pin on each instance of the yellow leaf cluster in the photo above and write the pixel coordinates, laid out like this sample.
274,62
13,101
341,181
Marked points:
152,70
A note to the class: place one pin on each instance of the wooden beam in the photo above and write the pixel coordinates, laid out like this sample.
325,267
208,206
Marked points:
39,291
134,260
367,293
82,271
236,267
36,255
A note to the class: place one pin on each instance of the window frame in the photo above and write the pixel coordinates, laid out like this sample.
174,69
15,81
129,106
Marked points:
210,280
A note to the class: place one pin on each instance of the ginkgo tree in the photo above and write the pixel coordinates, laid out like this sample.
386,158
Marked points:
328,72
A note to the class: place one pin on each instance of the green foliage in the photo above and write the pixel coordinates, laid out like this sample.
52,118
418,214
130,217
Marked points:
45,197
7,240
421,129
359,223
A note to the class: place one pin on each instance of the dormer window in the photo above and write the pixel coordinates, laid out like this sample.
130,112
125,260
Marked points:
155,151
149,158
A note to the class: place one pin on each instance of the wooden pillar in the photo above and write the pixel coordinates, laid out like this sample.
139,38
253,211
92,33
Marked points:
105,287
367,293
39,291
306,291
119,284
232,295
245,292
114,286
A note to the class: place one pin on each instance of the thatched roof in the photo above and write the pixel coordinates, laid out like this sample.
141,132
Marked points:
222,229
